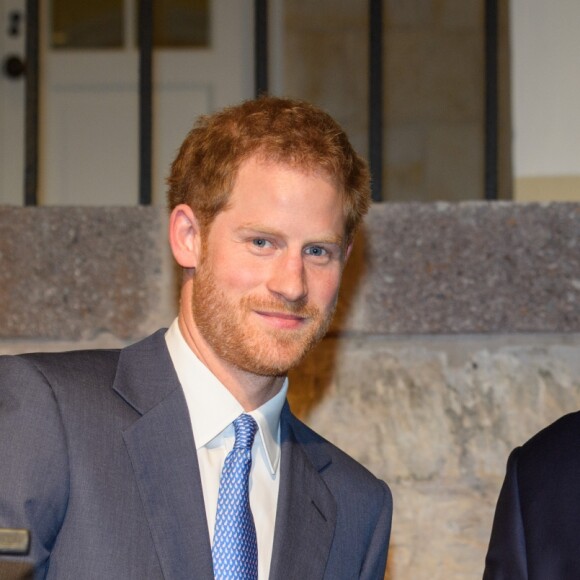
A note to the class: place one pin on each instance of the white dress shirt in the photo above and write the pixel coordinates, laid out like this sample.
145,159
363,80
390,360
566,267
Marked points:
212,410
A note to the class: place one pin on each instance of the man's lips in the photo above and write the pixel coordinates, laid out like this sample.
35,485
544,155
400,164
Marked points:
282,319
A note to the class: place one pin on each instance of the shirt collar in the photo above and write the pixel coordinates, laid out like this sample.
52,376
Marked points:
213,408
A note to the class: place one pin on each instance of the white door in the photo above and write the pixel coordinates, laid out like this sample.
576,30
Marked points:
90,105
12,49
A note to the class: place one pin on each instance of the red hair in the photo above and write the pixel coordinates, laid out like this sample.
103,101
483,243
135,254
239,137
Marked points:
280,130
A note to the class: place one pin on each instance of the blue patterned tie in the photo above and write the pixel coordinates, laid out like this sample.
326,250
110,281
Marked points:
235,550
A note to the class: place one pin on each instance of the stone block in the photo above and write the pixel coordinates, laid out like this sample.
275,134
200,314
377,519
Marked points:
454,163
433,76
325,14
73,273
332,73
436,417
409,13
405,170
461,14
471,267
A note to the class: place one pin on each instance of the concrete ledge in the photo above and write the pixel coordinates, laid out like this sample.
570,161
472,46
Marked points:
436,417
75,273
465,268
71,273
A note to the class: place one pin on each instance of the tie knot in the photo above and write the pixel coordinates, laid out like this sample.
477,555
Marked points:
245,428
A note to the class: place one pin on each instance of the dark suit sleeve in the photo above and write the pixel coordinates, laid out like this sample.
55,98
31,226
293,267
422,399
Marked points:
506,556
33,458
376,558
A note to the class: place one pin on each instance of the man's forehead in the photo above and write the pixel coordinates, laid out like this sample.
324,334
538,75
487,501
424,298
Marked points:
304,165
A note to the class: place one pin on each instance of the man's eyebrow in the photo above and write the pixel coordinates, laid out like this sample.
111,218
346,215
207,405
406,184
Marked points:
258,229
331,239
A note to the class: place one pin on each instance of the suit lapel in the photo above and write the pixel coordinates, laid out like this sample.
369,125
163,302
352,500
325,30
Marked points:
162,451
306,514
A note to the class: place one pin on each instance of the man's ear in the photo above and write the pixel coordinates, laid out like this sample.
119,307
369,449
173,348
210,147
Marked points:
347,252
185,236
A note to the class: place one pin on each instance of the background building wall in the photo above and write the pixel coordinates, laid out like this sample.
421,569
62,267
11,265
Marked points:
434,110
545,85
458,328
433,70
456,338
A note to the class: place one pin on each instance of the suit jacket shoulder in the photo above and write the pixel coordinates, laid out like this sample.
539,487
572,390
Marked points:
553,444
97,460
548,474
343,467
537,519
331,510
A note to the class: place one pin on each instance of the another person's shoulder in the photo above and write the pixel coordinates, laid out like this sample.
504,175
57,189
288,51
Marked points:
561,432
553,449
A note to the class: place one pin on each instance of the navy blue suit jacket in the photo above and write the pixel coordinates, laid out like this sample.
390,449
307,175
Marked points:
536,530
97,460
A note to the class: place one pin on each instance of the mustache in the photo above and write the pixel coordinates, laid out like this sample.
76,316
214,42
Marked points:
299,307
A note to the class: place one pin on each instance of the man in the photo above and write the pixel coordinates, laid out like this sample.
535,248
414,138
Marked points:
537,521
117,460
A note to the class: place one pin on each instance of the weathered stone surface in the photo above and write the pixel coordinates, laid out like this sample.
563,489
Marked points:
436,418
465,268
435,76
326,60
464,144
69,273
434,415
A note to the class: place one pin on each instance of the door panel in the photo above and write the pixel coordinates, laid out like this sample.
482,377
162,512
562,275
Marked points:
90,158
90,112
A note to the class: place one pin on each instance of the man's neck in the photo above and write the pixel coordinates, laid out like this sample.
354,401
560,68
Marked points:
249,389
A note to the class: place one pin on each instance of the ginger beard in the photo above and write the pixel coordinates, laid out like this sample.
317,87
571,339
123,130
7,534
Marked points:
229,329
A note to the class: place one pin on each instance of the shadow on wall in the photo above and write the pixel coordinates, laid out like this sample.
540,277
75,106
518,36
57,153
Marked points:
311,381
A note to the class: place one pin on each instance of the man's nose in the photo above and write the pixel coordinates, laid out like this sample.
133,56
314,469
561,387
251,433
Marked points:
288,278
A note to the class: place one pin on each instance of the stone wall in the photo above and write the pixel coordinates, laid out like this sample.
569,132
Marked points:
436,417
456,338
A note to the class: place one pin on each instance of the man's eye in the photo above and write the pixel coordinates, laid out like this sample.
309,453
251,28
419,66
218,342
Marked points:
260,243
316,251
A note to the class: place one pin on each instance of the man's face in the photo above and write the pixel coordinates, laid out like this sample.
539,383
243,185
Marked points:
266,286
